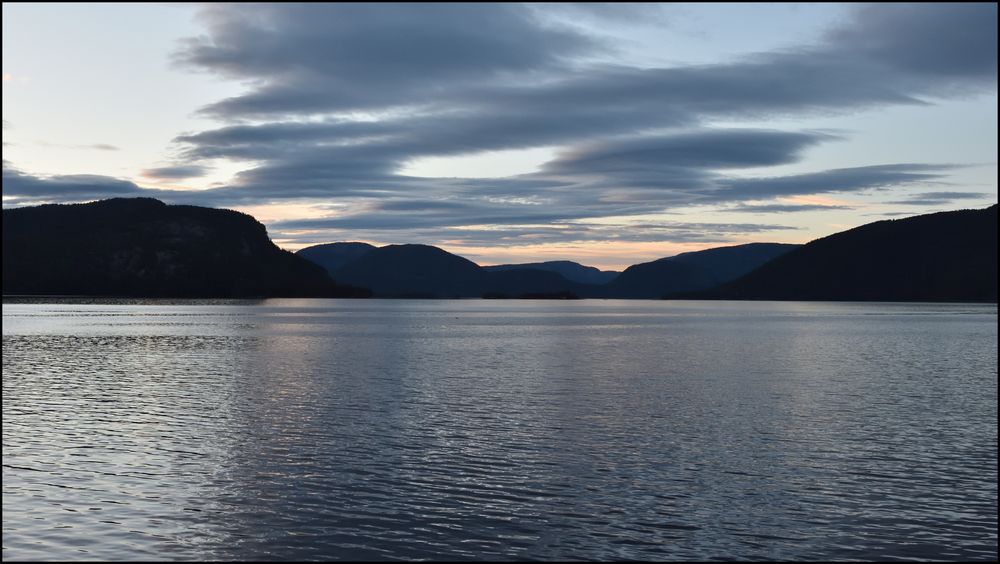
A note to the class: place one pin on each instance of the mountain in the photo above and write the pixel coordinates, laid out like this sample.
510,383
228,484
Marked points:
694,271
416,271
141,247
423,271
569,270
332,256
946,256
426,271
656,279
729,263
530,282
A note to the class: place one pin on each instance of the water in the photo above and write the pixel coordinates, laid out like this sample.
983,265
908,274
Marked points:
470,429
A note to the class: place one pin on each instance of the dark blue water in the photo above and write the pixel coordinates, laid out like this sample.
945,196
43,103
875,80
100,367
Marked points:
324,429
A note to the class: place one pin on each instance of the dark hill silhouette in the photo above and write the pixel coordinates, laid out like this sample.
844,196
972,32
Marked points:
141,247
427,271
729,263
946,256
658,278
412,271
530,283
332,256
569,270
694,271
424,271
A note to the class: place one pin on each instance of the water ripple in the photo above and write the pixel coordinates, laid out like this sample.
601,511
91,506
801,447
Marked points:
398,430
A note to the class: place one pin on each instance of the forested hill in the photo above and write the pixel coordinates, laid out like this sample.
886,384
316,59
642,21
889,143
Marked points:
142,247
946,256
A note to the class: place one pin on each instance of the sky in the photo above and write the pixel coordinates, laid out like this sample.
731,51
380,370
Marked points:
606,134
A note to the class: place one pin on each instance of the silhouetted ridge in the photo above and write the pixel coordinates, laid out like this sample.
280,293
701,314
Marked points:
946,256
569,270
729,263
528,283
332,256
694,271
429,272
423,271
141,247
412,271
658,278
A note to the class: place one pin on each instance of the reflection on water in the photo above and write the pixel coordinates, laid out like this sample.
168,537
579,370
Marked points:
325,429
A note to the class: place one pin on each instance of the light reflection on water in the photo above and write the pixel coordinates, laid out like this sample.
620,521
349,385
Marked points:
393,429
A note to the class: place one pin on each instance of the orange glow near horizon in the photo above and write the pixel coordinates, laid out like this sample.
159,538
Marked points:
266,213
605,255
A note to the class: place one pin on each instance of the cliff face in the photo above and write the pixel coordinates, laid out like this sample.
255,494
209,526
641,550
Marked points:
144,248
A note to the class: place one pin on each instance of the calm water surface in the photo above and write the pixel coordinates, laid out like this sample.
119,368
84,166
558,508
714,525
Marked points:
470,429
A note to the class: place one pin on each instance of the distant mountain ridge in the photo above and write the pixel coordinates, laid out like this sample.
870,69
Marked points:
569,270
945,256
424,271
332,256
693,271
141,247
427,271
412,271
729,263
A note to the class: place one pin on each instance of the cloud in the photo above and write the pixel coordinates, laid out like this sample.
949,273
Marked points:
308,59
940,198
533,234
20,187
710,149
597,14
516,78
892,214
843,180
785,208
177,172
328,167
954,41
314,57
567,206
82,146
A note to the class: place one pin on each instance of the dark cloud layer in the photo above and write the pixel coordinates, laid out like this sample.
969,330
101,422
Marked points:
939,198
955,41
313,57
339,58
854,179
26,188
785,208
704,150
660,232
535,91
177,172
